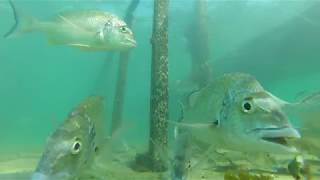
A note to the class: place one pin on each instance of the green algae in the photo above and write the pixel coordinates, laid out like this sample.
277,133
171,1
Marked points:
245,175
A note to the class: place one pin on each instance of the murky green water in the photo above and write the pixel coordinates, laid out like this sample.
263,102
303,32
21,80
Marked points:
275,41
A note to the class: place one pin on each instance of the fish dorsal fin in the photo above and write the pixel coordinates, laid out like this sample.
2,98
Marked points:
311,98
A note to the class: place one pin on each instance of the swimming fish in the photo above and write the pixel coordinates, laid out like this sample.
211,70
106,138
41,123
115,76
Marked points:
235,112
95,30
71,149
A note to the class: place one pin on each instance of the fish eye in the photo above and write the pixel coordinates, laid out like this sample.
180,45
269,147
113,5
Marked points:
123,29
247,106
76,147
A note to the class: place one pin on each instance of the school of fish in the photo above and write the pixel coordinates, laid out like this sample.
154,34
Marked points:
233,112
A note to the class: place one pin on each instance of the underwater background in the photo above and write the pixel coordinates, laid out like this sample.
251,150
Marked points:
275,41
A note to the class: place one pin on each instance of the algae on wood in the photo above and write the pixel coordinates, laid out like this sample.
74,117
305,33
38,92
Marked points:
122,75
198,44
158,141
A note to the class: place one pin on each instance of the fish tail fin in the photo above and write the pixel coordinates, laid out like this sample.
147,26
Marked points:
21,24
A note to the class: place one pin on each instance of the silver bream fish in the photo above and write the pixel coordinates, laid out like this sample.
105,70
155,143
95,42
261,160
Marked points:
87,29
71,149
235,112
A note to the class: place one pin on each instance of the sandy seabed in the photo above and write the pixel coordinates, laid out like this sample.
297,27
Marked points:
19,166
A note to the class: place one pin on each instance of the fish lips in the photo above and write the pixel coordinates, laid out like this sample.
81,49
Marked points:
130,42
279,137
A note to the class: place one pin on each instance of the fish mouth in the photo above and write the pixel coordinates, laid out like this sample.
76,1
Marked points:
131,42
277,140
279,136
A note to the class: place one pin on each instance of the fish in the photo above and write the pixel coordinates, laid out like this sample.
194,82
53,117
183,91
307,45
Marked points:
73,146
234,112
92,30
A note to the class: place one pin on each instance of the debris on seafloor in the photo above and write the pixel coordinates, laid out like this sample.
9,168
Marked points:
246,175
298,169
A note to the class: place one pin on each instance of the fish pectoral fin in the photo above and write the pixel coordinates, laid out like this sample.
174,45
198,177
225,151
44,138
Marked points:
100,35
79,45
192,125
86,47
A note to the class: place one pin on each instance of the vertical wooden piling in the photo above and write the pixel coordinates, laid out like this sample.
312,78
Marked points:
122,74
159,87
120,92
198,43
